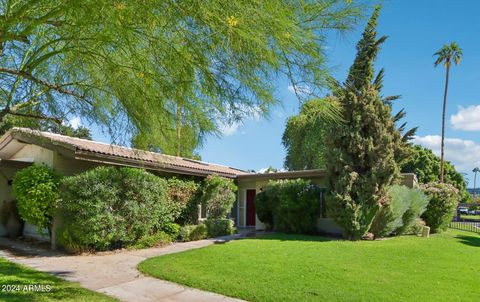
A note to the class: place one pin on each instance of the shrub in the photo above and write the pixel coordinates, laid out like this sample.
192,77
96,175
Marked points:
219,227
36,190
185,230
399,214
289,205
441,207
265,203
218,195
411,218
156,239
193,232
389,215
107,208
416,227
172,230
199,232
183,194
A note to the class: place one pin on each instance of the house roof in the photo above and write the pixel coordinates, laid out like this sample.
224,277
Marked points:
283,175
83,149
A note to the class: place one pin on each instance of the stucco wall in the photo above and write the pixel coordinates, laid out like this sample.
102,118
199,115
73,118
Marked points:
33,153
69,166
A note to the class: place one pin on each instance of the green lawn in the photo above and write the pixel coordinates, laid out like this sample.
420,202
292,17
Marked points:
14,278
470,217
444,267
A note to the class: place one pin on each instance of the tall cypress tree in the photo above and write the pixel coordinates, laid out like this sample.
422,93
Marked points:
361,153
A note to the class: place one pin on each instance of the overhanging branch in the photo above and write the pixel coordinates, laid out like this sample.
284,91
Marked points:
56,87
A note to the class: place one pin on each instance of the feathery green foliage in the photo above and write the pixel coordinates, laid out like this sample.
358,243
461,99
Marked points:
169,72
304,135
362,153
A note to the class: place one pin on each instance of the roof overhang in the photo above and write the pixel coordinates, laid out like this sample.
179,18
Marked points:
317,173
13,164
135,163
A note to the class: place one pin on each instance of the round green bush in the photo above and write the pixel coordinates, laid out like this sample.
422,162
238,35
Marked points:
193,232
36,190
184,196
218,195
289,205
219,227
444,199
107,208
265,202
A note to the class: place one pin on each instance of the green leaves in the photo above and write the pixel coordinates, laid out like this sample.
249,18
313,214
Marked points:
36,189
304,135
448,53
361,153
128,65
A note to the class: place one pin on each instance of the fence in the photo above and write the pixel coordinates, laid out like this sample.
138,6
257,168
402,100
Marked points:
466,220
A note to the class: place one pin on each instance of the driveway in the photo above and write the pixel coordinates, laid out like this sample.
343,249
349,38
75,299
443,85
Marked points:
114,274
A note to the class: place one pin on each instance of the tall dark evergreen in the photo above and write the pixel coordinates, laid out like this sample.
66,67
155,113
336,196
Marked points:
362,152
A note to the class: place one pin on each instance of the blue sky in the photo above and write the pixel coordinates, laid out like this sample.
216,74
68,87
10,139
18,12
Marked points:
416,29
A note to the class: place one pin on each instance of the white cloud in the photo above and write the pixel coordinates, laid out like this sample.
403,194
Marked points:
300,89
229,129
466,118
464,154
74,122
245,112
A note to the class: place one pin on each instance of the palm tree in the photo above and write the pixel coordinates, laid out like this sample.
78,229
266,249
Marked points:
475,170
446,55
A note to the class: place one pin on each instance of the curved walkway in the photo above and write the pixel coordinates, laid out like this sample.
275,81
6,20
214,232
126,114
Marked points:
114,274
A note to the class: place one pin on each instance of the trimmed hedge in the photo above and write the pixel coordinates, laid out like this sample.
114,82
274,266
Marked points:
218,195
444,199
36,191
289,205
219,227
184,197
107,208
193,232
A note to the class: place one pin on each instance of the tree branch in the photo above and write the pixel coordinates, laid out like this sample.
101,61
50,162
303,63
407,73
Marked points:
7,111
56,87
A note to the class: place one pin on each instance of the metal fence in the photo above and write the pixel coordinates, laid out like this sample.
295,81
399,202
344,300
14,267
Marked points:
466,219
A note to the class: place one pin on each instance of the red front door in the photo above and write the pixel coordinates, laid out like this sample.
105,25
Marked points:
250,208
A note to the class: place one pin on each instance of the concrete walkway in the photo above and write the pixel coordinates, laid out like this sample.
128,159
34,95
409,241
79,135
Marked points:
114,274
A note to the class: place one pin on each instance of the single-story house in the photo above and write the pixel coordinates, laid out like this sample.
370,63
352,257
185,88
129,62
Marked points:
20,147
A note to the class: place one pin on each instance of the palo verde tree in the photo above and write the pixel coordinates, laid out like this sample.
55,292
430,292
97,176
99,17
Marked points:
446,55
166,71
361,152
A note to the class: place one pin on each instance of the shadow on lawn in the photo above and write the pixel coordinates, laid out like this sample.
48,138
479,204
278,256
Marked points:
469,240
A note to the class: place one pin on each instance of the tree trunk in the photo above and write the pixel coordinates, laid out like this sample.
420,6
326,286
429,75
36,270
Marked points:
442,161
179,126
474,184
